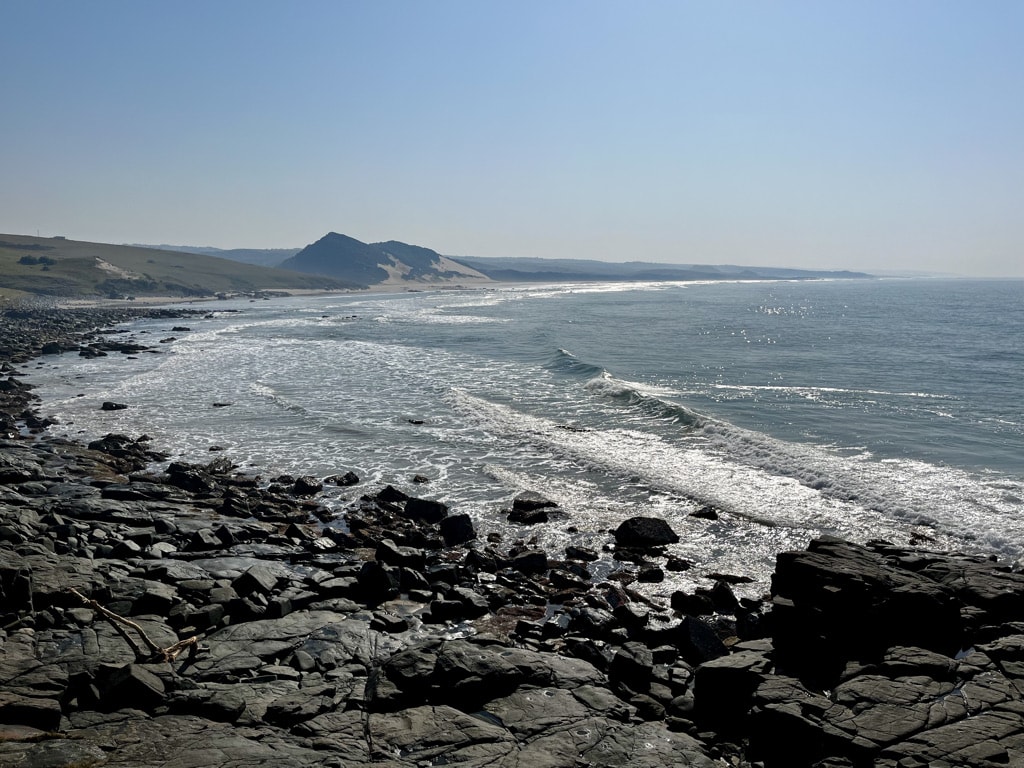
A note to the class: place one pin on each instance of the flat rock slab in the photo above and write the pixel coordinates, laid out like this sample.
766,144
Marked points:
243,648
972,703
993,738
422,735
164,742
428,735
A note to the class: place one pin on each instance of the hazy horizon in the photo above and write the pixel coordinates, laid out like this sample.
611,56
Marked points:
869,137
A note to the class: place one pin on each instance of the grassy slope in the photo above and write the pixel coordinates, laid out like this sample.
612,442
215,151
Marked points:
76,271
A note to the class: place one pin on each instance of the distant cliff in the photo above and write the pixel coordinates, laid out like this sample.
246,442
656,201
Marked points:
511,269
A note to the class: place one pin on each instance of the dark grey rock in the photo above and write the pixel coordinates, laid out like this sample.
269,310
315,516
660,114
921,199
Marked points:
442,611
697,641
37,711
346,479
132,685
301,705
724,687
425,510
389,623
307,485
580,553
457,529
644,532
692,605
431,735
528,516
530,561
257,579
528,501
378,582
838,600
409,557
650,574
633,664
391,495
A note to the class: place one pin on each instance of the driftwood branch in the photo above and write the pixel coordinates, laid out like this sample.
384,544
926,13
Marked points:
120,622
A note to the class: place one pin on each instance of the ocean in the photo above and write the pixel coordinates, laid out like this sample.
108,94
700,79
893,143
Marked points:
867,409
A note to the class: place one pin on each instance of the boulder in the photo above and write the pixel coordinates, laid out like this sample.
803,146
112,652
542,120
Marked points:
723,688
963,718
391,495
530,500
378,582
633,665
425,510
409,557
530,508
692,605
530,561
528,516
580,553
697,641
650,574
132,685
837,601
307,485
457,529
300,705
438,735
644,533
346,479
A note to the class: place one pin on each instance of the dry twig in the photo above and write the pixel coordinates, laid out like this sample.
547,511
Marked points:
164,654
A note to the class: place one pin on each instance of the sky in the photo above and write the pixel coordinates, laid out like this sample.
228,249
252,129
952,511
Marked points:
833,135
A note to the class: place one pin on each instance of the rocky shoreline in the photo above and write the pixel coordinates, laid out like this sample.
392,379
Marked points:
198,616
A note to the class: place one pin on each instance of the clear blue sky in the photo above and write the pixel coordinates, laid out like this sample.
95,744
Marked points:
861,135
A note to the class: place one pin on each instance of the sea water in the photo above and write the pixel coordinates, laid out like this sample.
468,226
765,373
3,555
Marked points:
867,409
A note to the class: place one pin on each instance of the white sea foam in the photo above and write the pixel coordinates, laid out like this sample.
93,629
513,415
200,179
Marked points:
775,483
810,391
662,411
608,384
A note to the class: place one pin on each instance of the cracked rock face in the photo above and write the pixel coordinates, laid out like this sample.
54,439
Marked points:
864,696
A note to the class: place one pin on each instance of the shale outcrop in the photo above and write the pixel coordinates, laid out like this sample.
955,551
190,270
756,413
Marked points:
157,613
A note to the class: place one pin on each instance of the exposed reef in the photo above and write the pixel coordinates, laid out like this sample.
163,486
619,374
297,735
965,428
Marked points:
157,613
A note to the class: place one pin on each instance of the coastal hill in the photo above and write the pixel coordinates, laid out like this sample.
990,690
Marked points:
390,263
62,268
263,257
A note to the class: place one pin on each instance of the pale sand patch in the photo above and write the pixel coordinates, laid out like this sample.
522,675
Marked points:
154,301
106,266
138,301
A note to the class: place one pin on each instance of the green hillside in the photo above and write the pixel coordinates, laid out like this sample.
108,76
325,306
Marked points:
57,267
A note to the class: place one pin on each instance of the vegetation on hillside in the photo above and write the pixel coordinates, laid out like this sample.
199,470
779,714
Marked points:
58,267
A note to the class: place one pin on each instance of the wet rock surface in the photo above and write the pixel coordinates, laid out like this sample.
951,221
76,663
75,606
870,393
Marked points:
193,616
